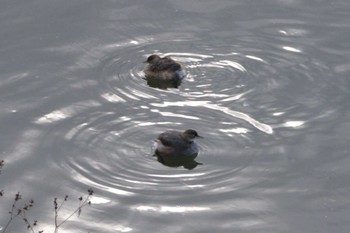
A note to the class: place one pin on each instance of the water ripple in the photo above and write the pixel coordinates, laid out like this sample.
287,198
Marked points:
239,98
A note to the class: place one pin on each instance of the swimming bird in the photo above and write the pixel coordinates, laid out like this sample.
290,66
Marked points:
163,70
175,143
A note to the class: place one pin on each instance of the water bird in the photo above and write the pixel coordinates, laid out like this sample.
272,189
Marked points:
163,72
175,141
174,148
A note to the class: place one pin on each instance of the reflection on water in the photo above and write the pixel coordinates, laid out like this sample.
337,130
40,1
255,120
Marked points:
266,83
162,84
177,160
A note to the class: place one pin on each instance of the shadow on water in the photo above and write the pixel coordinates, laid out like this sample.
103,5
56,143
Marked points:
162,84
177,160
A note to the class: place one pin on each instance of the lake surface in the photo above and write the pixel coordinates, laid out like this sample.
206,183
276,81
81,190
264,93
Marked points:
267,86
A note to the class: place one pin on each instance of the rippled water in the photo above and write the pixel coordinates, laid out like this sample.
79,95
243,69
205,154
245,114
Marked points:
267,86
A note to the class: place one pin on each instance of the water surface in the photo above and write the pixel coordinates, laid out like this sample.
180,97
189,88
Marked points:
267,86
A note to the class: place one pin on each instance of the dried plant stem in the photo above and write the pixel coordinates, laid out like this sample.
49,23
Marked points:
11,212
15,212
22,212
82,204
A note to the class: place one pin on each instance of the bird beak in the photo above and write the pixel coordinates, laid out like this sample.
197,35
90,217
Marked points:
199,136
144,62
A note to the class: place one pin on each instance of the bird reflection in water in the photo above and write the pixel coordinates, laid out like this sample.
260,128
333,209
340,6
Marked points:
162,84
178,160
175,149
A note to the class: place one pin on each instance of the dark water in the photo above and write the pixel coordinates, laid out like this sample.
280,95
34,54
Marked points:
267,86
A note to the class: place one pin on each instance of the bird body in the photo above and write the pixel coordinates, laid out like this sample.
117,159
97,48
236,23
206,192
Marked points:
163,69
177,143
